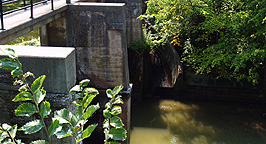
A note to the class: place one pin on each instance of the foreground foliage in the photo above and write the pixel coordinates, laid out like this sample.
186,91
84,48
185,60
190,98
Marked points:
113,125
32,98
224,38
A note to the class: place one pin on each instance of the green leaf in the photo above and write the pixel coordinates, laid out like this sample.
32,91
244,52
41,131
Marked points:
76,88
106,123
90,91
84,82
79,95
6,127
26,109
10,52
118,100
32,127
54,128
27,74
65,132
37,84
116,110
113,142
87,132
106,132
63,115
116,122
106,114
90,110
17,72
23,96
87,100
74,121
109,93
118,134
117,89
13,131
39,95
45,109
3,135
23,88
9,64
79,113
39,142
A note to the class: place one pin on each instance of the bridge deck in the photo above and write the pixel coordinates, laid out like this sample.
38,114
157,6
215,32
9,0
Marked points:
23,16
16,23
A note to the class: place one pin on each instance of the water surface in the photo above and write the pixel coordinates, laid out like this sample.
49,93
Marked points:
197,122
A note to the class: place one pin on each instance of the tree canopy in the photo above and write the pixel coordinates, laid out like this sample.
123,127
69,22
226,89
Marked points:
221,38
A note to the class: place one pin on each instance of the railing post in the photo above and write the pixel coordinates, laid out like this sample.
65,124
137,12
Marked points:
68,1
24,3
2,17
31,8
52,4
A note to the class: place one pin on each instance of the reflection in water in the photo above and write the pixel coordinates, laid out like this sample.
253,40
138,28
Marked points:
197,123
181,122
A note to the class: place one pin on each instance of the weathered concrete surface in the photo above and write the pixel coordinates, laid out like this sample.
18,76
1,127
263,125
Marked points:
133,24
101,49
98,32
58,64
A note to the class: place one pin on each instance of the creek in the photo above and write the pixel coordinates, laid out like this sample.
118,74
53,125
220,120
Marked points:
164,121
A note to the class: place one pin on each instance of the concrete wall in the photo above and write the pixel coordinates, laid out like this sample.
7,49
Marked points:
133,25
98,32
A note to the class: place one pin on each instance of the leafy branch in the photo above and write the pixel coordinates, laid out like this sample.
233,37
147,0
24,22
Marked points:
113,125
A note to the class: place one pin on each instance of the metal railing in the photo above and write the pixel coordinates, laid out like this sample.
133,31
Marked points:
25,6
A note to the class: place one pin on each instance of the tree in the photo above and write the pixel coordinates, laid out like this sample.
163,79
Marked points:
221,38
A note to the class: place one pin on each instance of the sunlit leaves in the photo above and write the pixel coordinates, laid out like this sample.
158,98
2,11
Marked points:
106,113
54,128
118,134
116,110
90,110
23,96
113,125
84,82
32,127
39,142
63,116
45,109
26,109
76,88
9,64
116,122
37,84
87,132
39,95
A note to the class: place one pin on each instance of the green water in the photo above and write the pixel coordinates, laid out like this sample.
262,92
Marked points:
197,122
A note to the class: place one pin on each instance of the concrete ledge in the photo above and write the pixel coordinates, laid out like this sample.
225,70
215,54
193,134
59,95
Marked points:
57,63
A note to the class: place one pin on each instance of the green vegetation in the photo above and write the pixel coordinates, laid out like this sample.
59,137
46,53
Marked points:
224,39
64,123
113,125
30,39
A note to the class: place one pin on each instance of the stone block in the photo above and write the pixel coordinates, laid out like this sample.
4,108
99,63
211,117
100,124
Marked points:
57,63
